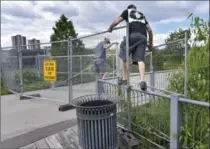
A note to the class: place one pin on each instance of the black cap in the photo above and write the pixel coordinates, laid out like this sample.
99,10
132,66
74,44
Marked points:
131,6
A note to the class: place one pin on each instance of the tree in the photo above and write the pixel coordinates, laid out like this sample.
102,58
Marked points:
175,51
178,47
62,30
158,59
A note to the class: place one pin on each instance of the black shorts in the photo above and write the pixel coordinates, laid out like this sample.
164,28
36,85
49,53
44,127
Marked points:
138,51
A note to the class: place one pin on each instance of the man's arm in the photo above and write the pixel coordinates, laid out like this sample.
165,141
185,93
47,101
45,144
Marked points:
109,45
115,23
149,30
122,17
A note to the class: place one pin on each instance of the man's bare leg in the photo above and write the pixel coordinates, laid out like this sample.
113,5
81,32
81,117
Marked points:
141,70
124,70
142,75
124,79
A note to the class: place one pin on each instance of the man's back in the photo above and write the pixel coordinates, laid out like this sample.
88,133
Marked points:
100,52
136,19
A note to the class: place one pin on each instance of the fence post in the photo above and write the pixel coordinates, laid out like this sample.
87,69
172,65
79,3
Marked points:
38,63
0,76
0,81
128,81
70,69
152,73
81,74
128,89
52,83
113,64
20,68
185,65
175,121
117,61
127,52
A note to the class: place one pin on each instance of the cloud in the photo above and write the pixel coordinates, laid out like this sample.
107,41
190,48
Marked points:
202,8
171,20
35,19
23,10
67,10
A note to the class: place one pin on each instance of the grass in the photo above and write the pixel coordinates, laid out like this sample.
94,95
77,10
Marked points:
4,91
36,86
152,121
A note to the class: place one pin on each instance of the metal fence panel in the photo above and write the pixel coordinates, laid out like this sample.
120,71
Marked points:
161,120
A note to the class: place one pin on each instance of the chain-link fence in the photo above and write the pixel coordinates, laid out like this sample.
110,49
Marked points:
23,71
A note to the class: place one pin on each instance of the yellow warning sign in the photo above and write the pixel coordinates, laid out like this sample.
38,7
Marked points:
50,73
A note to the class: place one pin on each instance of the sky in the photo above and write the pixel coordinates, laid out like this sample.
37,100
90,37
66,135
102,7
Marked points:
35,19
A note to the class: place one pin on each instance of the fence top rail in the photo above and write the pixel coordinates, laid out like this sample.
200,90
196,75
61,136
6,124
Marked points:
99,33
181,99
82,37
170,42
88,55
43,43
137,90
195,102
78,38
151,93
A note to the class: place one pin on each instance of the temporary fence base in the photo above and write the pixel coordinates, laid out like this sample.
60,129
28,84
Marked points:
66,107
127,140
31,96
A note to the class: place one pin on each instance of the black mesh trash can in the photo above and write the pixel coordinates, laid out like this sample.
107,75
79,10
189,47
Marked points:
97,121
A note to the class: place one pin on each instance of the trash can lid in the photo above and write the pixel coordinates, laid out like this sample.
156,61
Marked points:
95,101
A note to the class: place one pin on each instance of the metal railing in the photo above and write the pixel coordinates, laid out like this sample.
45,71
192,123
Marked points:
161,120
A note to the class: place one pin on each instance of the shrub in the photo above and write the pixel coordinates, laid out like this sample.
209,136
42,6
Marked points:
29,76
195,119
197,89
4,91
36,86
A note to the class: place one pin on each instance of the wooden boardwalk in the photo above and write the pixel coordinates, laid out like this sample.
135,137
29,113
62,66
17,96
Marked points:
66,139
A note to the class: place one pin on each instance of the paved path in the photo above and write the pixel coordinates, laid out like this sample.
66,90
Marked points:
21,116
18,117
37,134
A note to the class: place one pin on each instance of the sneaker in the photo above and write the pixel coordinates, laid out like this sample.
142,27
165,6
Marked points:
143,85
122,82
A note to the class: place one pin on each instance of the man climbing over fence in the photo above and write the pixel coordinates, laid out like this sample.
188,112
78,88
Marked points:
100,64
138,28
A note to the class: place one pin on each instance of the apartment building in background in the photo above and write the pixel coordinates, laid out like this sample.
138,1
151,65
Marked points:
34,44
19,40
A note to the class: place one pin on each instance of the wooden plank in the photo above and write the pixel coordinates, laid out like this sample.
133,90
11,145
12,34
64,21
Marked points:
30,146
73,138
65,142
42,144
75,129
53,142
